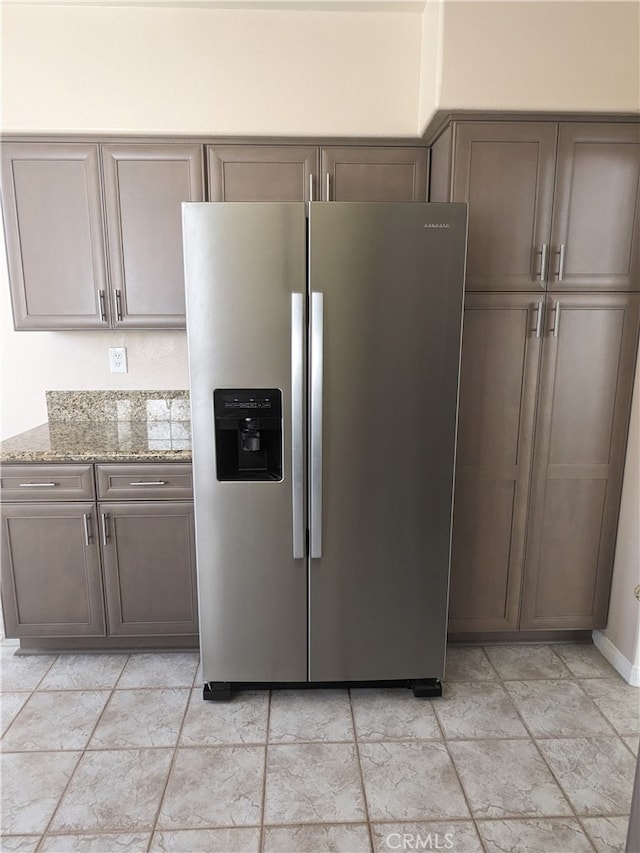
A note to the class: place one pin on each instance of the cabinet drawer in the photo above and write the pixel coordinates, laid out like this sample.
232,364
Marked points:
145,481
46,482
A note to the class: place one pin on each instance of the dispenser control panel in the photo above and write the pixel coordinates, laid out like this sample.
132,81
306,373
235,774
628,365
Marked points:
248,433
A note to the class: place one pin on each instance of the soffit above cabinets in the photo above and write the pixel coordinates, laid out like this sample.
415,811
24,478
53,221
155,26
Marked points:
411,6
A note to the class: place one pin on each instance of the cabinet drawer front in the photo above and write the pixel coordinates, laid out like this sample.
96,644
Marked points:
145,481
46,483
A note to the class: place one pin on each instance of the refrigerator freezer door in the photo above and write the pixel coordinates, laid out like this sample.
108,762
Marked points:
392,278
246,331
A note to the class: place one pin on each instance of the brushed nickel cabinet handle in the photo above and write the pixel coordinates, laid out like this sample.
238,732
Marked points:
117,299
149,483
556,320
38,485
310,187
544,255
103,524
103,306
85,525
328,187
538,328
561,262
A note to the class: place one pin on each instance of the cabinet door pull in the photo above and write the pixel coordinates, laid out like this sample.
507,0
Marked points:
38,485
556,320
87,533
544,254
310,187
117,298
149,483
561,262
103,524
103,307
328,187
538,310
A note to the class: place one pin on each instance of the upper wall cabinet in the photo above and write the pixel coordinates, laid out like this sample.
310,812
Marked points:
261,172
289,173
374,174
550,206
54,234
596,213
144,187
59,234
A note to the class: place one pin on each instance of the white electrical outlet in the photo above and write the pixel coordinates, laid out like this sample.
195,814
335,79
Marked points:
118,359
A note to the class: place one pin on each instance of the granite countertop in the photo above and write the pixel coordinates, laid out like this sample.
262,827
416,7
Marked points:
107,426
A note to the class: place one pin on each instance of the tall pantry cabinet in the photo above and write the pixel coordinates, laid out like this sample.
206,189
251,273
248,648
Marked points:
549,352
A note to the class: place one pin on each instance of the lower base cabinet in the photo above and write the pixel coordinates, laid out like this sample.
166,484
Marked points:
148,554
111,569
51,575
545,398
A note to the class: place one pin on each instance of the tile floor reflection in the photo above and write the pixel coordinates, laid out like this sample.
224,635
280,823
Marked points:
531,749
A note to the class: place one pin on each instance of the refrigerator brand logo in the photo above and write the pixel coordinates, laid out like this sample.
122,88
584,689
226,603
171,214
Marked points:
437,225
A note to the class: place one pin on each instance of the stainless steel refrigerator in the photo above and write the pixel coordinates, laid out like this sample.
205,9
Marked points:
324,349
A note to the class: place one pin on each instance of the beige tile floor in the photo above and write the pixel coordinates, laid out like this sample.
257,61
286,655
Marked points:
531,749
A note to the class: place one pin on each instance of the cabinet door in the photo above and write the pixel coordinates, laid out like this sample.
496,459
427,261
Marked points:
374,174
583,415
144,188
51,582
148,552
500,356
505,171
55,242
262,173
595,238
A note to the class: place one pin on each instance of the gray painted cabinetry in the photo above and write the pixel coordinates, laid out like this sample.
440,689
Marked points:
94,231
144,187
290,173
54,229
83,255
123,567
548,358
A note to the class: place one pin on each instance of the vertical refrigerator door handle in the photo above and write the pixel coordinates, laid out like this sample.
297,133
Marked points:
297,424
317,358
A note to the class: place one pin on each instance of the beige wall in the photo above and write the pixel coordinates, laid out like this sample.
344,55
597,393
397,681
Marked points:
202,70
565,56
430,61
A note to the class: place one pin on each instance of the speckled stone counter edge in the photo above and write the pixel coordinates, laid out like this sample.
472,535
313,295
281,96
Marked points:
92,406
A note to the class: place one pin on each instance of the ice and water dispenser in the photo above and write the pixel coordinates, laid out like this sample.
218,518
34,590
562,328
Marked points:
248,427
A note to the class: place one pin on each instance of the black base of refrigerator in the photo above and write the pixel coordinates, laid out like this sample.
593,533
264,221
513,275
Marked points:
222,691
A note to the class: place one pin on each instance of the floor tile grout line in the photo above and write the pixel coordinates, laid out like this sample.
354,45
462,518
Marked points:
161,799
264,774
60,798
363,787
586,831
31,692
554,776
82,755
572,679
600,711
540,753
575,679
455,770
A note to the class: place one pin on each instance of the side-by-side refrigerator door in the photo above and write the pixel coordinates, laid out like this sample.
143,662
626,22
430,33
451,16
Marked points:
385,324
245,268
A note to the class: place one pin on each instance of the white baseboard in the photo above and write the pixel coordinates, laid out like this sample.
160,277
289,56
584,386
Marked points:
629,671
